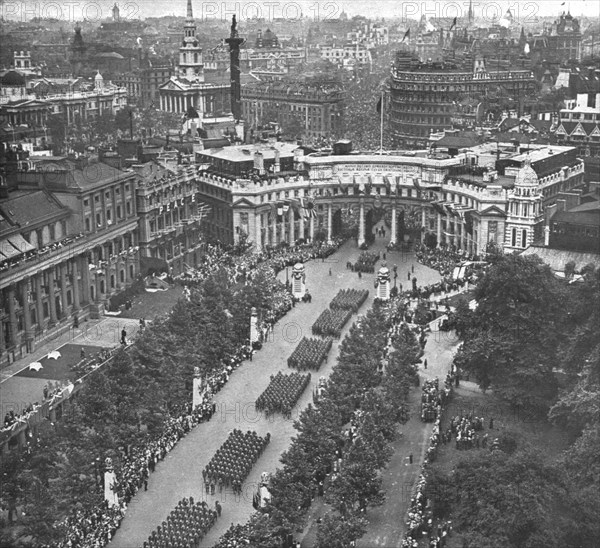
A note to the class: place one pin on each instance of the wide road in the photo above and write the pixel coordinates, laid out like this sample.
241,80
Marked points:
180,474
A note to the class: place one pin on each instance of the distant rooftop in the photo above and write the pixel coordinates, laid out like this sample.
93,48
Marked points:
244,153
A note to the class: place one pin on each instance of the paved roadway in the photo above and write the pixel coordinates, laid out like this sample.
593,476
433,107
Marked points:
387,523
180,474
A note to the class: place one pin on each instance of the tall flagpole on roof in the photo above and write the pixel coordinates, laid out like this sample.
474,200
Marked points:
381,124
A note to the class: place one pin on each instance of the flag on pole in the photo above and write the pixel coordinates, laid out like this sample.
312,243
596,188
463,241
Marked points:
388,185
469,222
379,106
453,24
308,207
406,35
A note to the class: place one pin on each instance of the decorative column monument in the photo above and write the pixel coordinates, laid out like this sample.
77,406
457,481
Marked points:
298,281
394,229
382,283
254,333
197,389
110,493
361,223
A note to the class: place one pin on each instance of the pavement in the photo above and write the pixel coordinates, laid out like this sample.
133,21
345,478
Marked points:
387,524
180,474
19,386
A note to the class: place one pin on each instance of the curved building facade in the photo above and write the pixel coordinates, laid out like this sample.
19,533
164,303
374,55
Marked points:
423,96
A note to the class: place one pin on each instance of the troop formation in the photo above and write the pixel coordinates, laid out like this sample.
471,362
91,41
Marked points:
331,322
349,299
282,393
365,263
233,461
310,354
185,526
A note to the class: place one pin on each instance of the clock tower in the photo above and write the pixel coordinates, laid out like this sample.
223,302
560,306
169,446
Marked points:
191,66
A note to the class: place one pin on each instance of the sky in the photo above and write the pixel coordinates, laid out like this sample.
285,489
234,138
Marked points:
78,10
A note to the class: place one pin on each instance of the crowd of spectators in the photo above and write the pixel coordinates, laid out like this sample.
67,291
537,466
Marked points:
93,528
443,258
233,461
420,521
465,429
39,254
282,393
242,268
185,526
310,354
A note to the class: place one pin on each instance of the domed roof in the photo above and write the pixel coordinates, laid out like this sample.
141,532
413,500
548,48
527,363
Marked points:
98,77
526,176
13,78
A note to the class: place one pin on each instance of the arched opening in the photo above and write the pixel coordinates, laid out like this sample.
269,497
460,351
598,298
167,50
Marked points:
337,223
370,222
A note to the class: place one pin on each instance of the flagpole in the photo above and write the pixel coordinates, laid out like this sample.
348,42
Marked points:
381,126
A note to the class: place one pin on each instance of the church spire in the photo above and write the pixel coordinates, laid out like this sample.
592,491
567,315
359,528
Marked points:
470,11
190,14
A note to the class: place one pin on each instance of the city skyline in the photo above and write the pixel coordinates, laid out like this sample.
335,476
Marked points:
98,10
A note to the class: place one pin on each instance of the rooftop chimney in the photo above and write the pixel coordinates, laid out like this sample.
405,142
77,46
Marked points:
277,166
259,162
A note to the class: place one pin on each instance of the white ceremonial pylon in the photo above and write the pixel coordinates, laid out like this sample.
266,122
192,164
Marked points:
298,281
110,479
382,283
254,334
197,391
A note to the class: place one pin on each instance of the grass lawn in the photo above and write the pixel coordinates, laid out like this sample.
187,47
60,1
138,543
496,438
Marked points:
549,439
150,305
60,369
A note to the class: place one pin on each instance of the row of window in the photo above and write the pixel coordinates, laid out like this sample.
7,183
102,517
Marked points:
53,232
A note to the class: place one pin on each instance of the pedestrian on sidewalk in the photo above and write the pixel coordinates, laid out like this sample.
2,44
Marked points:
330,271
123,337
410,458
218,508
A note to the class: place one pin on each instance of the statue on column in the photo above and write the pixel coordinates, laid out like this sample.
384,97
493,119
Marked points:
234,31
